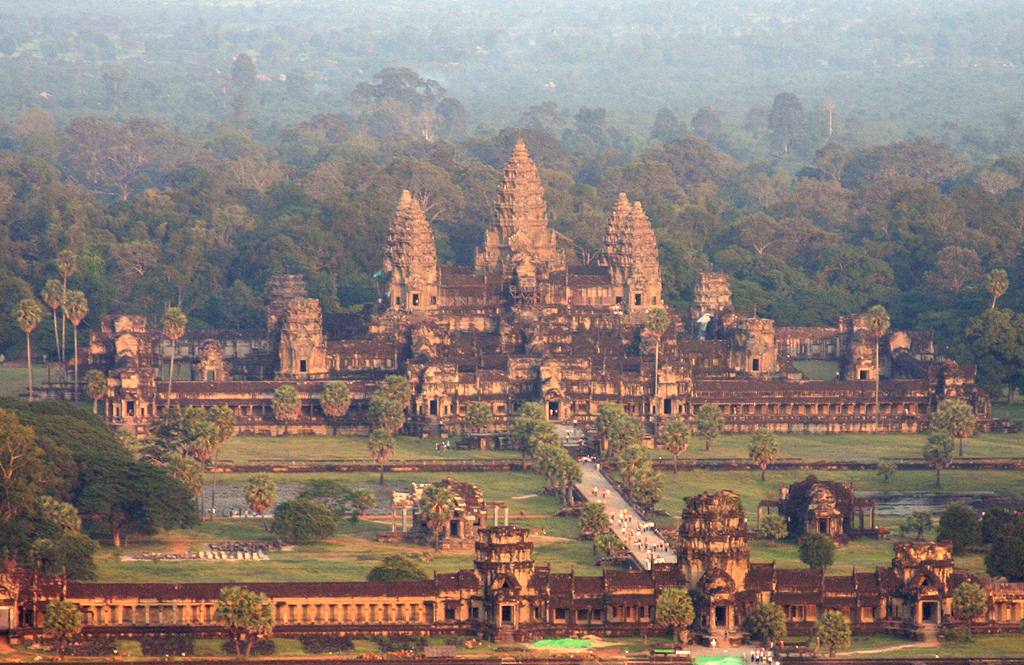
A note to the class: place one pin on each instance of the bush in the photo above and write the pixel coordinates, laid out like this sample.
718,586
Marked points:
396,568
173,645
775,527
88,646
961,525
414,643
956,634
260,648
303,521
325,644
817,550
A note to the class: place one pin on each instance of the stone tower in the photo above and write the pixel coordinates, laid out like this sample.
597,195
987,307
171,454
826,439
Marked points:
520,244
302,346
857,360
283,289
504,562
504,551
712,305
713,536
631,251
758,352
714,557
410,261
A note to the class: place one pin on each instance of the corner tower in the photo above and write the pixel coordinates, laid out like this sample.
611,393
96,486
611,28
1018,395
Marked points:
410,261
520,241
631,250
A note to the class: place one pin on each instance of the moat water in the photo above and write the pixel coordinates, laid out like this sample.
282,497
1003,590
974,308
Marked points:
231,497
903,504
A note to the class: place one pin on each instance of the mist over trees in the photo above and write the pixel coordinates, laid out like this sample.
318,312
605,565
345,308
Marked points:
889,69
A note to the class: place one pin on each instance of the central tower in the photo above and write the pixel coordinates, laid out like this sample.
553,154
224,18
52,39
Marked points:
520,245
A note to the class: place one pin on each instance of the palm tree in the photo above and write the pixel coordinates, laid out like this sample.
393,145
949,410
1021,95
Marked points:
175,323
287,404
437,505
381,445
53,296
76,308
996,283
95,387
655,325
66,263
28,314
335,402
878,324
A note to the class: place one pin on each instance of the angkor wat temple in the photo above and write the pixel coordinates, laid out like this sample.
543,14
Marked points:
506,596
526,323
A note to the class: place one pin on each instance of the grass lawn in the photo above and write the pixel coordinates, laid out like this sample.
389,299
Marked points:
818,370
857,447
811,447
750,488
986,646
351,554
353,551
1014,411
311,448
14,378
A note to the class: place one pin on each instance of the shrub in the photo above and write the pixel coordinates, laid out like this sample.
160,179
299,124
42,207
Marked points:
325,644
259,648
303,521
956,634
173,645
961,525
89,646
400,643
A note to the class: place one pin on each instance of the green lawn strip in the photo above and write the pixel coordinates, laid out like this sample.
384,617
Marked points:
851,447
14,378
353,551
351,554
748,485
1014,411
299,448
808,447
989,646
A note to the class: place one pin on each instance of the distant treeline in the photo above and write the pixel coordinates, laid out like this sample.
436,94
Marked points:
890,70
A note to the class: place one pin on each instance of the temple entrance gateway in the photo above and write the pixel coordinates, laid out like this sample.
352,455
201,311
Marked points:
930,611
554,408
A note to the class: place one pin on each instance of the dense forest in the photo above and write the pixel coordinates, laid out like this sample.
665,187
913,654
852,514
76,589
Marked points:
186,153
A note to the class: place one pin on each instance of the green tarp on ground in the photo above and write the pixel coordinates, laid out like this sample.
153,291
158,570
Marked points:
566,643
719,660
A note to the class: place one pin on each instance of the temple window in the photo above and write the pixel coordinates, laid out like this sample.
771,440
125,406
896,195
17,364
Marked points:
581,615
618,300
415,300
433,300
638,299
302,365
559,614
211,375
398,300
755,365
864,375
